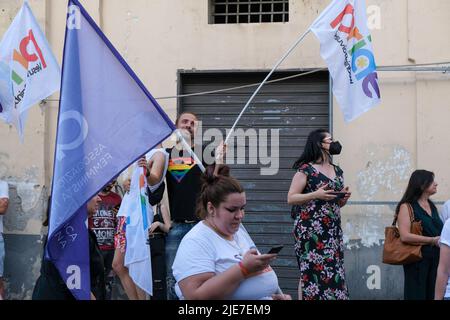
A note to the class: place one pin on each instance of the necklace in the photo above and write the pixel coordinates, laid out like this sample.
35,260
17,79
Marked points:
232,242
215,229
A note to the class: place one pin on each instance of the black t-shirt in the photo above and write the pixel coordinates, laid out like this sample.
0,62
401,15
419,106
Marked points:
183,184
97,268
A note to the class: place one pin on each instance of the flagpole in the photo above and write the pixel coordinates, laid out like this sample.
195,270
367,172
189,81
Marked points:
265,80
188,148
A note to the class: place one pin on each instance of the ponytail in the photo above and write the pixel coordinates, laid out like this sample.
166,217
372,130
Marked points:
215,188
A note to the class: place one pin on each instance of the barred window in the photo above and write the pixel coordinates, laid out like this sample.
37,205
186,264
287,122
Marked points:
248,11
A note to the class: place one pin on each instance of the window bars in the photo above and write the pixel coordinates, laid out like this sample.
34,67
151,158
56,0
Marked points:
248,11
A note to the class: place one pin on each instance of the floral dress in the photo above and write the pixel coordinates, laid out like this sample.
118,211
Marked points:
318,240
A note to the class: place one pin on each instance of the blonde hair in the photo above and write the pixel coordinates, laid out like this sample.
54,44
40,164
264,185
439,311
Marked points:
125,175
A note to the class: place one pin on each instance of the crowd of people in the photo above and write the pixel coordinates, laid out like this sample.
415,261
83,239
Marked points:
201,250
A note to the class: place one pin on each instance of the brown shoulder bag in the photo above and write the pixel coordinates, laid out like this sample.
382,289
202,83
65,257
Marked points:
397,252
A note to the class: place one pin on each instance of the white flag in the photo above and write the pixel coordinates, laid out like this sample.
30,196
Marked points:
139,215
28,69
346,46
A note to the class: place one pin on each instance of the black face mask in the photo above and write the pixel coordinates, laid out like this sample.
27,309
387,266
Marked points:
335,148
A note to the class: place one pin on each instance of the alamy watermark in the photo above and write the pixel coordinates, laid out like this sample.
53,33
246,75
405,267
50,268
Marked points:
374,279
246,146
374,17
74,17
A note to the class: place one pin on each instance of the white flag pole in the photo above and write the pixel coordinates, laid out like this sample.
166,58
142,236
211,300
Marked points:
264,81
188,148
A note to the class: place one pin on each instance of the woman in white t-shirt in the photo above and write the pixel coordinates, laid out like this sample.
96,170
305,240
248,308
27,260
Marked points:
442,288
217,259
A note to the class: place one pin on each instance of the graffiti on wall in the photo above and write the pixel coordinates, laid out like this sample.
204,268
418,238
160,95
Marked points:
383,178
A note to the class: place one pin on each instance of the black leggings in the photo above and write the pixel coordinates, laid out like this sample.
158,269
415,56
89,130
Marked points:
158,253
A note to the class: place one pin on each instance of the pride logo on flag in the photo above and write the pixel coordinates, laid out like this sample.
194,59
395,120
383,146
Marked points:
179,167
362,63
24,57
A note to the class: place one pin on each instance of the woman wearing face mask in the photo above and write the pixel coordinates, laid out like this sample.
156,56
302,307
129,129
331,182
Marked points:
317,192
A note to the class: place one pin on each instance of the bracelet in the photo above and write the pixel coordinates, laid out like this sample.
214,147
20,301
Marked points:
433,241
244,270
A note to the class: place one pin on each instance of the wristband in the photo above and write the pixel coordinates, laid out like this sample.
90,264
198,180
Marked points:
244,270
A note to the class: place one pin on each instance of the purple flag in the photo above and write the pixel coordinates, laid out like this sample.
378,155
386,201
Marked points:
107,120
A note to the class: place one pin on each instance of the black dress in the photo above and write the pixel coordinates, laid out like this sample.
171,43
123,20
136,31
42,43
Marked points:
50,285
420,277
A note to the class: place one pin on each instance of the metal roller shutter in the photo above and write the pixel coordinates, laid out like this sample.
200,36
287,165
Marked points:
295,107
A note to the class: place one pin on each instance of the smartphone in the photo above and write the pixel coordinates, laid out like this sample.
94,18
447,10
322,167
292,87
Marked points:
275,249
339,195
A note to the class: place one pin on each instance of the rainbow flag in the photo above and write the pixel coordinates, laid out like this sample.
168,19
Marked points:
346,46
28,69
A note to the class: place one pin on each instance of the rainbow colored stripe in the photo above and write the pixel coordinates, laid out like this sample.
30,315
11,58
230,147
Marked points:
179,167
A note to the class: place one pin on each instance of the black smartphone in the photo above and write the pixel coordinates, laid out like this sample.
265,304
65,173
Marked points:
275,249
339,195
